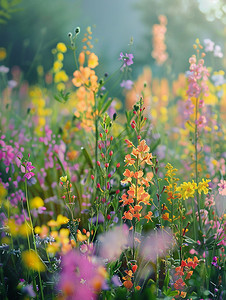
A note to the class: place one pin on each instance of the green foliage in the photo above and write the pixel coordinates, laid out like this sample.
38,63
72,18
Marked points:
7,8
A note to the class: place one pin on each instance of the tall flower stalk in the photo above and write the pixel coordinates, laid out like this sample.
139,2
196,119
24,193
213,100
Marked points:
197,89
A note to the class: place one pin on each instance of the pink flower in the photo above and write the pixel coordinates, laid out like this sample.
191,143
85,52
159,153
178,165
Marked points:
127,84
127,59
113,242
26,168
80,279
156,244
222,187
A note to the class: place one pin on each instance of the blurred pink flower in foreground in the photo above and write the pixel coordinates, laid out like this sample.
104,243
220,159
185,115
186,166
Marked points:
80,279
113,242
156,244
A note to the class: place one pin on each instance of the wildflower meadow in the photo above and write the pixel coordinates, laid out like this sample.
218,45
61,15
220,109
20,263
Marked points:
113,185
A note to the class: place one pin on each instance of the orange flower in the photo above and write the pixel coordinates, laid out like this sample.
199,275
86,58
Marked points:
129,161
125,200
128,215
143,147
179,284
92,61
81,77
188,276
149,216
183,294
179,271
128,284
81,58
165,216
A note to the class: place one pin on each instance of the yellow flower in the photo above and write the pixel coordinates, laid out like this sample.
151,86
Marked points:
81,237
63,178
60,86
92,61
61,47
36,202
33,261
203,186
3,193
60,56
61,76
187,189
13,227
60,221
25,230
2,53
57,66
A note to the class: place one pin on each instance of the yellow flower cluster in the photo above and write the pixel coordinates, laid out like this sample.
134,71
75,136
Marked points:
32,261
40,111
187,189
3,193
36,202
61,242
60,76
22,230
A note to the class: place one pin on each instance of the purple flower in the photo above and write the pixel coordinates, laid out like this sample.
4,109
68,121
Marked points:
116,281
209,45
4,69
100,219
218,52
127,59
26,168
28,290
127,84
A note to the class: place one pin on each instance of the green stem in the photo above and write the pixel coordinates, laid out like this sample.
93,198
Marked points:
196,163
33,237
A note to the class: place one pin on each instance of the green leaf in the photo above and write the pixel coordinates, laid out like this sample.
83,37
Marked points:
5,14
101,101
155,145
87,157
5,4
106,106
166,280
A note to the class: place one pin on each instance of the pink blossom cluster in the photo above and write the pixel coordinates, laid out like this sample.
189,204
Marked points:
197,89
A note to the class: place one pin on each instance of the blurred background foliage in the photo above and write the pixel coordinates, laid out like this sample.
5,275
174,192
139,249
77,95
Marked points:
29,30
